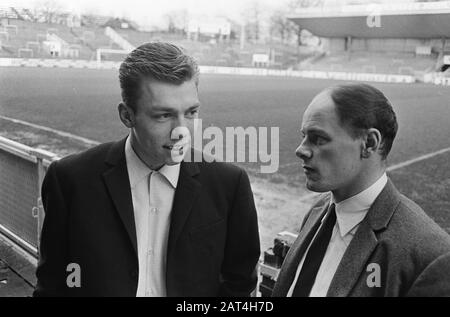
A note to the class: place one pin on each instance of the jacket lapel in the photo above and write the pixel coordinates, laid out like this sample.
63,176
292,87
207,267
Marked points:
353,262
296,252
188,189
118,184
355,258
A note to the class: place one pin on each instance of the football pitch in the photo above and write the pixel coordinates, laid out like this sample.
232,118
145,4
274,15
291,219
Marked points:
84,102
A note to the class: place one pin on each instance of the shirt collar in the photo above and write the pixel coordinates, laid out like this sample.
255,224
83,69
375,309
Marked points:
171,173
351,212
137,169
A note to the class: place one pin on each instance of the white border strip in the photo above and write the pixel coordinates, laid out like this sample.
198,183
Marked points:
59,63
430,78
58,132
371,77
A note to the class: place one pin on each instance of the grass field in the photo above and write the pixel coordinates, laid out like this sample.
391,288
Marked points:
83,102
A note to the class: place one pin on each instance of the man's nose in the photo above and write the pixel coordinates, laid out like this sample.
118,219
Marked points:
180,121
179,133
179,127
303,152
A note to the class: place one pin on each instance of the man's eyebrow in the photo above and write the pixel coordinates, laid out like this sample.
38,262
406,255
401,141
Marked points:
168,109
162,109
314,131
195,106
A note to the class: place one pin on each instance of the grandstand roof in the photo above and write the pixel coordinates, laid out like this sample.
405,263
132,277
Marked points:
412,21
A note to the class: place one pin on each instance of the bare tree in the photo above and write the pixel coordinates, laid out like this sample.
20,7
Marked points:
252,19
295,4
177,20
281,26
50,9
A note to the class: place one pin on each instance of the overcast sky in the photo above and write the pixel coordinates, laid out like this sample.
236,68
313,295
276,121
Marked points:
154,10
151,12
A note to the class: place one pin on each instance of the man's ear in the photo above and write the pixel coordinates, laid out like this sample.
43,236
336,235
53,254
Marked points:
126,115
372,142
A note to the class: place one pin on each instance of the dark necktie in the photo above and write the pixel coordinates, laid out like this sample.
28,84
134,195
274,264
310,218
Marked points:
315,256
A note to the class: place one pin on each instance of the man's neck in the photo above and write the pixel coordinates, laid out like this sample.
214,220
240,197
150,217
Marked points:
142,155
365,182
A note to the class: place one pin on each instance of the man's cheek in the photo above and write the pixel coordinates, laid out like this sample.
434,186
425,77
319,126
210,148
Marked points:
326,156
182,137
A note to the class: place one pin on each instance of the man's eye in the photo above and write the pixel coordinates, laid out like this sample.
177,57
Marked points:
192,113
163,116
318,140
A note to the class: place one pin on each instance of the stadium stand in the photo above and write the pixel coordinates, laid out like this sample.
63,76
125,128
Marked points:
93,20
409,40
136,37
118,39
93,37
225,53
87,39
23,34
37,33
399,47
26,14
8,12
371,62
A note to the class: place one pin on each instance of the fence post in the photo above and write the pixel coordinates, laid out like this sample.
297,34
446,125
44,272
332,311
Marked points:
38,211
40,207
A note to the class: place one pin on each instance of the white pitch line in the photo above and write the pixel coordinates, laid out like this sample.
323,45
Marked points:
58,132
303,198
389,169
399,165
417,159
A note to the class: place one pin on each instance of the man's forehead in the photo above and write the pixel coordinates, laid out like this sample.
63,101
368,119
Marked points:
158,96
160,91
320,111
321,101
154,87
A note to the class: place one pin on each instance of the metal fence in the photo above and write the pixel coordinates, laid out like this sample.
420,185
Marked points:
22,171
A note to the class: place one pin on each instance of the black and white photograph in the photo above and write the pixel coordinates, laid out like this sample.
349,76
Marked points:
225,154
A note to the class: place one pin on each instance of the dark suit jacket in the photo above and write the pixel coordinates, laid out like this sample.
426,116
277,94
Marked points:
411,251
213,243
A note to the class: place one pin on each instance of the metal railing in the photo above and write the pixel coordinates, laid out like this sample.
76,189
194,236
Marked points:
22,170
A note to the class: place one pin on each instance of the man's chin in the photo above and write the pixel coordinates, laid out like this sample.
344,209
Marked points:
315,186
174,159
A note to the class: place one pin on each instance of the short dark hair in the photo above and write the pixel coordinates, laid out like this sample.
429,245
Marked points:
160,61
361,107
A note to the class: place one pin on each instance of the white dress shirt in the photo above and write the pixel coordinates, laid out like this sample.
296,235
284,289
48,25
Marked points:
349,214
152,194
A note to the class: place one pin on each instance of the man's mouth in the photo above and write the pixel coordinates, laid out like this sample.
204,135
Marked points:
173,147
176,149
308,169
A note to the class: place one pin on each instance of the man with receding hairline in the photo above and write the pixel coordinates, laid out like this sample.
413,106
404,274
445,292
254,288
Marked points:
362,237
133,216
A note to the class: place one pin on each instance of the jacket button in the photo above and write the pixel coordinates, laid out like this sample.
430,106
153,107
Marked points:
134,273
